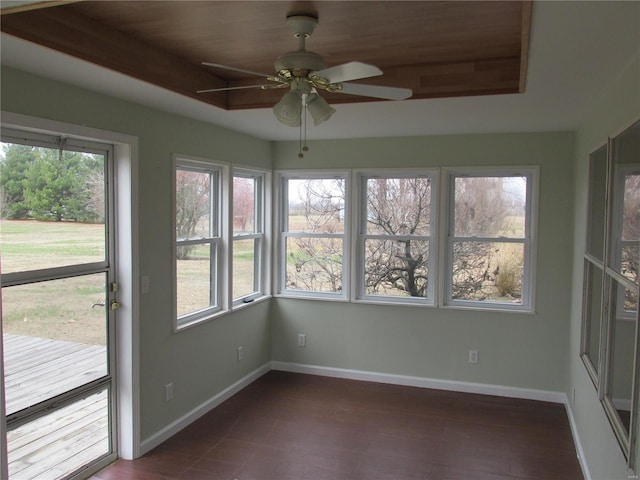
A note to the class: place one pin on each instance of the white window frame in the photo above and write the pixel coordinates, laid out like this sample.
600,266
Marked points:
282,177
361,235
219,228
529,241
260,236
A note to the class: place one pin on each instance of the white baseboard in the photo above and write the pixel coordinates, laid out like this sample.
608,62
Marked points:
576,440
423,382
157,438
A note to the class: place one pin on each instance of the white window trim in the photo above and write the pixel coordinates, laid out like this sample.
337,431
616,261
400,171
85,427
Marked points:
222,260
530,241
263,264
358,200
279,247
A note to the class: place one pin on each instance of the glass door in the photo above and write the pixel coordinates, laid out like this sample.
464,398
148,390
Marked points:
59,301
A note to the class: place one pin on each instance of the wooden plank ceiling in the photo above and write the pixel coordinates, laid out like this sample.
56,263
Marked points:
437,49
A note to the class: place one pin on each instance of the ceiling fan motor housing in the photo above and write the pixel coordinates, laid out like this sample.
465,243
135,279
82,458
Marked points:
299,63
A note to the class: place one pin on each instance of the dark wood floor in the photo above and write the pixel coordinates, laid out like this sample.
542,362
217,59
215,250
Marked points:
289,426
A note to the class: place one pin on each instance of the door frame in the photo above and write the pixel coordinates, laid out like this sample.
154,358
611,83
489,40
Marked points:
125,167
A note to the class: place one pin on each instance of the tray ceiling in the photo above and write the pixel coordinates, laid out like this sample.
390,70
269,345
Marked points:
438,49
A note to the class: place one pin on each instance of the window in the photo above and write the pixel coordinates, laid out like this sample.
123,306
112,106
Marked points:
610,332
199,240
594,262
395,259
620,352
248,275
490,239
314,211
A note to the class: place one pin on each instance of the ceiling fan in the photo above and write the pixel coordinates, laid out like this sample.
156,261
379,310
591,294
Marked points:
306,73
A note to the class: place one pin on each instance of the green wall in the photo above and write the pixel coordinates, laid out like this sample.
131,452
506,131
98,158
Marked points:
515,349
617,108
200,361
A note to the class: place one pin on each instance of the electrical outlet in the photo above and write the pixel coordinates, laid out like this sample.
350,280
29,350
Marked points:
473,356
168,391
240,354
302,340
144,284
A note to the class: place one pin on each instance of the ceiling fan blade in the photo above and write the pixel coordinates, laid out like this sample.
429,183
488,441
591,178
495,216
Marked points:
348,71
239,70
242,87
375,91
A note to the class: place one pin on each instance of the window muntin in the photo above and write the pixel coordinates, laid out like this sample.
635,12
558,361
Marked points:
395,237
490,239
313,236
248,236
198,264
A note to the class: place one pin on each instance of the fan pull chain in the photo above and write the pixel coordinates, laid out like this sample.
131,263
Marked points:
302,148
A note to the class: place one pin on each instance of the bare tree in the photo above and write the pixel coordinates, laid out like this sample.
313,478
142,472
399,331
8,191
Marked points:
192,205
243,204
398,207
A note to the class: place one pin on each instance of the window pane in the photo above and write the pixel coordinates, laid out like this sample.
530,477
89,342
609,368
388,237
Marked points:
56,201
244,198
244,266
396,267
314,264
194,278
193,205
488,271
593,313
630,261
622,368
596,213
398,206
59,322
316,205
490,206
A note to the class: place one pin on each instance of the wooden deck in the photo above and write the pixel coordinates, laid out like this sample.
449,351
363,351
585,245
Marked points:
61,441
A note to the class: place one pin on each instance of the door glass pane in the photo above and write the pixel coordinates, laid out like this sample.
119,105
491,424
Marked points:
61,442
53,207
54,337
244,267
